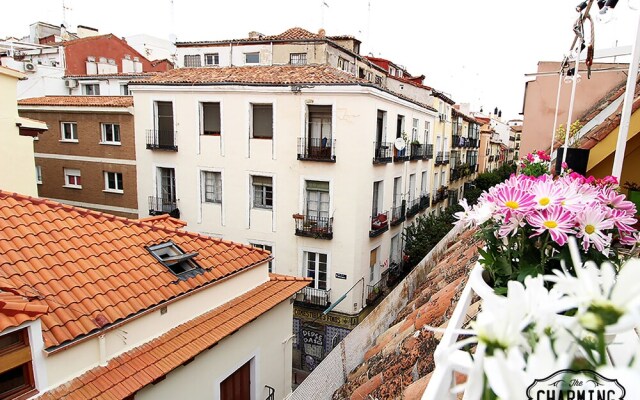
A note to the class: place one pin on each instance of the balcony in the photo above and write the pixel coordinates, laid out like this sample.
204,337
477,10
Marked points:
382,153
314,297
428,152
401,155
454,175
314,227
160,206
425,201
455,141
413,207
379,224
445,159
375,291
453,196
397,214
439,158
417,151
315,149
512,138
161,140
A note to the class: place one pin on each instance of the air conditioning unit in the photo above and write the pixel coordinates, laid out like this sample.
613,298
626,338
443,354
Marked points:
71,83
30,66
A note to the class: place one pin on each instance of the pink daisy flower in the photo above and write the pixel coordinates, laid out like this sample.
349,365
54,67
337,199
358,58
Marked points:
547,193
622,220
592,221
556,220
508,198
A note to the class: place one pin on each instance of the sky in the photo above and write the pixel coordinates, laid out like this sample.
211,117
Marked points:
477,51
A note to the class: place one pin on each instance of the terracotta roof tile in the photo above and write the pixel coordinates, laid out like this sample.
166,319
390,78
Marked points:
155,359
78,274
403,354
295,33
16,309
79,101
262,75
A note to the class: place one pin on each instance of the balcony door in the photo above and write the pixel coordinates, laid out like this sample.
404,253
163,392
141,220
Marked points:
166,187
164,124
316,269
317,202
319,131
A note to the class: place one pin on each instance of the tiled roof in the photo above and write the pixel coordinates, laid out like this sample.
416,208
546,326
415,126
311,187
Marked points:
443,97
16,309
92,269
261,75
79,101
88,39
295,33
119,75
165,220
135,369
399,364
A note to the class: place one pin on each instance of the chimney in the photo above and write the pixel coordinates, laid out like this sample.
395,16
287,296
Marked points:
499,113
322,33
255,35
495,111
86,31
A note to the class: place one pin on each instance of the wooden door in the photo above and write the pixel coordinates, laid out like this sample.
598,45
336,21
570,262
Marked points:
238,385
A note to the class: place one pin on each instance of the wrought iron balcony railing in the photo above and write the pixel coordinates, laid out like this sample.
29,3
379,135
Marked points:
315,227
440,158
315,149
382,152
428,152
425,201
398,214
417,151
413,207
401,155
161,205
313,296
162,139
375,291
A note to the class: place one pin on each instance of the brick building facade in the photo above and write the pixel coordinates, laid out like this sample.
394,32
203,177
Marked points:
87,158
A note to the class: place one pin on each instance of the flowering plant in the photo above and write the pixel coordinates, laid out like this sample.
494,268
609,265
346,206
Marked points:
535,164
526,221
524,337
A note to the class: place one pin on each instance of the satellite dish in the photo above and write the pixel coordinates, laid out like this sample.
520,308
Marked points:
400,144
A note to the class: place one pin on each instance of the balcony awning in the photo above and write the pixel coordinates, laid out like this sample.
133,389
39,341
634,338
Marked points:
30,127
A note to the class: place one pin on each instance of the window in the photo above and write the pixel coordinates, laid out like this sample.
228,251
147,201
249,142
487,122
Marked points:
211,187
397,192
378,80
412,186
395,250
252,58
72,178
344,64
424,184
316,269
427,130
262,191
298,58
110,133
16,377
124,90
443,179
192,60
176,260
92,89
373,266
414,130
113,182
212,59
317,201
38,174
69,131
376,206
211,119
164,137
262,124
266,247
166,200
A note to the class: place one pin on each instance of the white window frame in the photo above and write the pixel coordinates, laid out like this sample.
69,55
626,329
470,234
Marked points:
300,58
217,187
215,57
251,53
74,132
103,134
192,57
39,174
262,245
86,86
119,188
305,271
72,178
262,187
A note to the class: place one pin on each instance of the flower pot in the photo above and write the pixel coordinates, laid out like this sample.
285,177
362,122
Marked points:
577,160
481,287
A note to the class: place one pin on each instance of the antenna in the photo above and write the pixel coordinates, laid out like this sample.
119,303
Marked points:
172,35
368,22
64,13
323,4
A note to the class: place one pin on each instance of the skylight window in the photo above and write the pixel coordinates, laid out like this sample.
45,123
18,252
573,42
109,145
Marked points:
176,260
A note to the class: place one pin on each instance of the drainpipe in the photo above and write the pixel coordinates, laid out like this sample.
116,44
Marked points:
231,54
284,361
102,342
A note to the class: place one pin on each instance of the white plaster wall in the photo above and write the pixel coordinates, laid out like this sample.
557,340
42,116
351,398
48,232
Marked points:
237,156
16,152
230,55
71,362
265,341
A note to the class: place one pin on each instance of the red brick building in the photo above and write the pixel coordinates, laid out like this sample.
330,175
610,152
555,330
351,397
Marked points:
87,158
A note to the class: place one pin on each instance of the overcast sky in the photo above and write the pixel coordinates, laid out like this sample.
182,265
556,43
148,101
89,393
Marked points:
478,51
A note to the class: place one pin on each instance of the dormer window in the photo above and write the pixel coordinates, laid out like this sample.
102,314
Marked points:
176,260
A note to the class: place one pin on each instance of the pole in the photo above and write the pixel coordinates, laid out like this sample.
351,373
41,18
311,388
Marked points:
555,120
627,107
573,98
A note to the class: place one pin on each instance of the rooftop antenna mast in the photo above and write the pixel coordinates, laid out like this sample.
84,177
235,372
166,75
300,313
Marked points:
65,8
323,4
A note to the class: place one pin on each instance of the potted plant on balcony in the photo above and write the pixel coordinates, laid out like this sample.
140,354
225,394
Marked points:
633,193
577,158
525,223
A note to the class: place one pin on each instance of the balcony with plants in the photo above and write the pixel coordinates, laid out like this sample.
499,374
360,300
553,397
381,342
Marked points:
417,150
314,226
